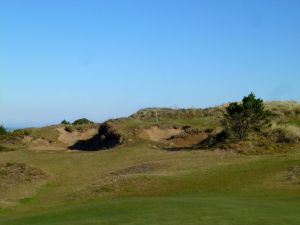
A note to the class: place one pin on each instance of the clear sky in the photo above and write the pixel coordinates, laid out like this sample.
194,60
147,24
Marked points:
66,59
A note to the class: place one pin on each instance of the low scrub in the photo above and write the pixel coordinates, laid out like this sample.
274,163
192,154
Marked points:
20,172
277,139
80,128
69,129
284,134
282,109
163,113
21,132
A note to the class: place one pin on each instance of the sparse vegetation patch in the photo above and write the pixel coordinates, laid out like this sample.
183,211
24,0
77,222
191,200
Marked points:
20,172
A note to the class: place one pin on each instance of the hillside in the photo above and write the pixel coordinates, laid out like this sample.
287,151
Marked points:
163,127
149,168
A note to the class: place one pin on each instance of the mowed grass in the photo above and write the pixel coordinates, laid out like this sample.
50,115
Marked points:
204,209
187,187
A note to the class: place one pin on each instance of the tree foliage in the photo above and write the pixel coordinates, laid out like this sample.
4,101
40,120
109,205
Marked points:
65,122
245,117
82,121
3,130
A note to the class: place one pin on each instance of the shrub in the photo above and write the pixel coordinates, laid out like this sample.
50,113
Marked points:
69,129
64,122
214,140
3,130
82,121
242,118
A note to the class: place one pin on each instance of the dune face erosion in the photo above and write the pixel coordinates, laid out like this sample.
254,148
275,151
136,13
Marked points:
107,137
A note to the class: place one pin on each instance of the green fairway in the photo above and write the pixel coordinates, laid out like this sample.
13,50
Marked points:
206,209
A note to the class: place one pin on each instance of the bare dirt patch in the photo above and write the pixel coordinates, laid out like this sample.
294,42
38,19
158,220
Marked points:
175,136
156,133
294,174
188,141
35,142
70,138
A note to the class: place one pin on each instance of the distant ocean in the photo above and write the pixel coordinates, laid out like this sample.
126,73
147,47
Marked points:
13,128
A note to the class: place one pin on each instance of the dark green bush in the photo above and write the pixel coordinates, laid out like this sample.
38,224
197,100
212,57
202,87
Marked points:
82,121
3,130
64,122
242,118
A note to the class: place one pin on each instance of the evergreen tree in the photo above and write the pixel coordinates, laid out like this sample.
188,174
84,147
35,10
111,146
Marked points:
242,118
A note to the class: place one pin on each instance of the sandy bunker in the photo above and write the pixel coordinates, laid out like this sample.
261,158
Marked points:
178,136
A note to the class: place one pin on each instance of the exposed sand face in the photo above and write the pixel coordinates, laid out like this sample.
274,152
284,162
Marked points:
64,140
158,134
188,141
176,137
81,138
71,138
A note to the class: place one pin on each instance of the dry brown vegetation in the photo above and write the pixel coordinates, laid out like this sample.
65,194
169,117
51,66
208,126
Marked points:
18,180
168,128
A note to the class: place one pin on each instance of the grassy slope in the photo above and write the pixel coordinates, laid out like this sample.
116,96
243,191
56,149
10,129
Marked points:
188,187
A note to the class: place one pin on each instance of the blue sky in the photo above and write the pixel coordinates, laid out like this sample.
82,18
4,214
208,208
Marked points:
63,59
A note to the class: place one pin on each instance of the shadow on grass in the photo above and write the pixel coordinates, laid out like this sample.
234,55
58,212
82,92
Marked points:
92,144
95,144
